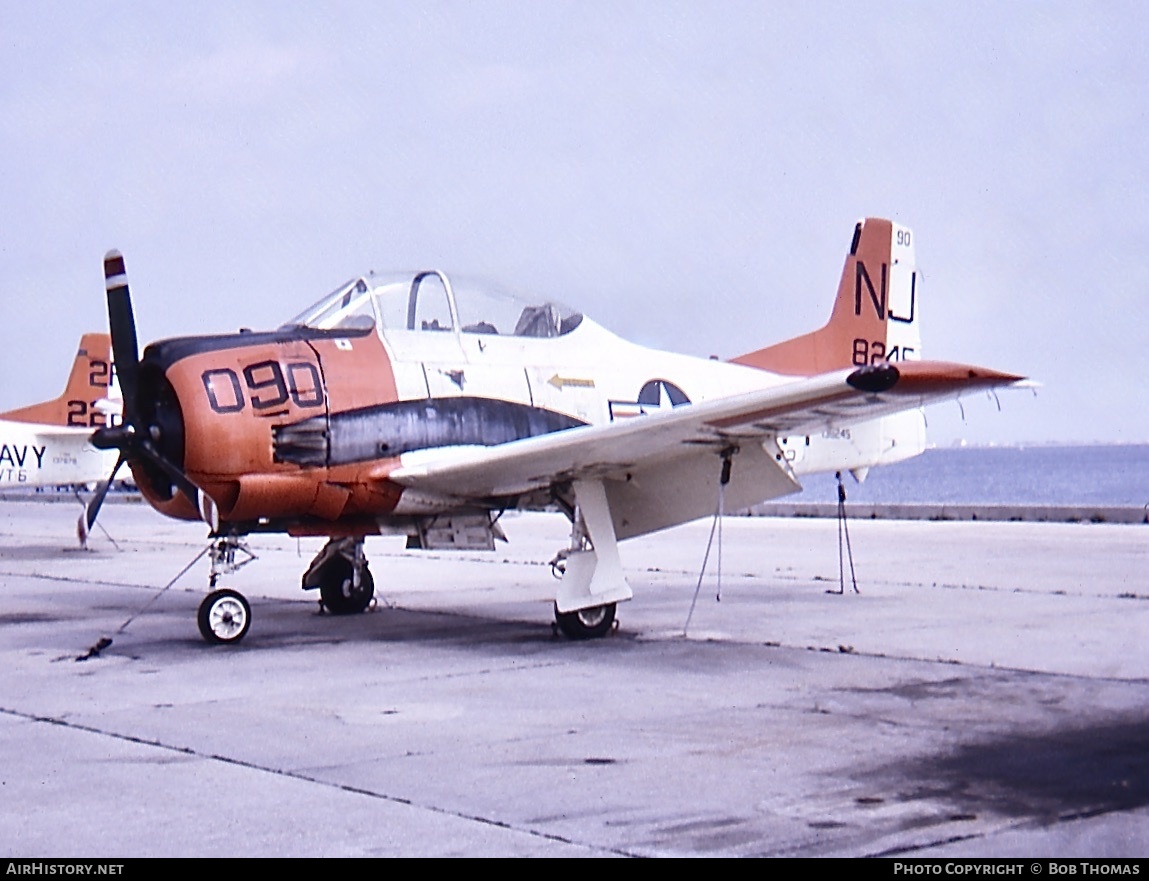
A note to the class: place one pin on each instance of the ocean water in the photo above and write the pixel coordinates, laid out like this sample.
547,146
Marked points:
1037,475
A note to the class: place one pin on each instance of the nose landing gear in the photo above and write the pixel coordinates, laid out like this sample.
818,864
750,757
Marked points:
225,614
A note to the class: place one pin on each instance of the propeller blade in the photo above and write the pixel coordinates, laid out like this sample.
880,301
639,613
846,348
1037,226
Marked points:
122,323
88,518
204,503
148,450
130,438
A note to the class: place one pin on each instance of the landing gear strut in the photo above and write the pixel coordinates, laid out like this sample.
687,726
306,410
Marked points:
341,574
225,615
592,579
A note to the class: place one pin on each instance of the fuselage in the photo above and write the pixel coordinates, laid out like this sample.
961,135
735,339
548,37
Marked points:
34,455
297,428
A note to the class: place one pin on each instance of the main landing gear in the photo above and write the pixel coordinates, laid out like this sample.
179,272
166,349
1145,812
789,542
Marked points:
589,623
592,579
341,574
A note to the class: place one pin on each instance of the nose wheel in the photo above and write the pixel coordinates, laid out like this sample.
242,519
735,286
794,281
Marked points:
224,617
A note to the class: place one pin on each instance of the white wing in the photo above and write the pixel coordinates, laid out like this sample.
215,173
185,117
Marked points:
663,468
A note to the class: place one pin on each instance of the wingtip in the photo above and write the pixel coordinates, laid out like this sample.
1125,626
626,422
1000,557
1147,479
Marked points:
927,375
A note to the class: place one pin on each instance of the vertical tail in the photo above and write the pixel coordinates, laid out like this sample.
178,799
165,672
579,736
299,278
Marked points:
89,382
875,316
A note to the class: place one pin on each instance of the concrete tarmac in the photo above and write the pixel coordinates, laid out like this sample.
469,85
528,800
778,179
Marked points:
986,694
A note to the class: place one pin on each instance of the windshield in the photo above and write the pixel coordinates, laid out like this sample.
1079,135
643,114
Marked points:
428,301
349,306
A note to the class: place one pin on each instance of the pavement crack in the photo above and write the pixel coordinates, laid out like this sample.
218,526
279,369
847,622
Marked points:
304,778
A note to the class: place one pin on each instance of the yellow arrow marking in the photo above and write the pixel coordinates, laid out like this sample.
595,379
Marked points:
560,382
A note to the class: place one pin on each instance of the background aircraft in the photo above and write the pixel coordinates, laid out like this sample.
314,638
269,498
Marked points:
410,405
49,444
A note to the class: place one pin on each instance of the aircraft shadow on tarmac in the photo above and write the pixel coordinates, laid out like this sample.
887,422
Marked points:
288,623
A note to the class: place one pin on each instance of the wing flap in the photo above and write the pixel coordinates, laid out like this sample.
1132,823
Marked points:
684,488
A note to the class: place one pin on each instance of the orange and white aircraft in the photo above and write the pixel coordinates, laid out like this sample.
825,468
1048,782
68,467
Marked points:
411,405
49,444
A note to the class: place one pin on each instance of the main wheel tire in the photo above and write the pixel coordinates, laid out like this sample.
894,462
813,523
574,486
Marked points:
591,623
338,595
224,617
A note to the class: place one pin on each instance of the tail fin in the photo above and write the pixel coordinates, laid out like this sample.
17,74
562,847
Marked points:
875,316
88,383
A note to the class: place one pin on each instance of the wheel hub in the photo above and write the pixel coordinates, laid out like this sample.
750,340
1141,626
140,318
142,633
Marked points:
224,617
592,617
227,618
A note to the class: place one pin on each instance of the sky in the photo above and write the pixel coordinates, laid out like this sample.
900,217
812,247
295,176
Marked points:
688,174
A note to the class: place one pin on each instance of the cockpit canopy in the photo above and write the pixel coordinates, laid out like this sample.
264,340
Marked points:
428,301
